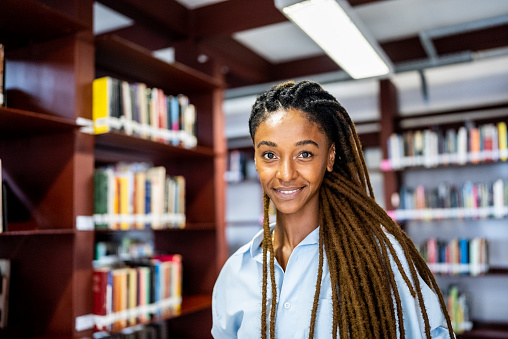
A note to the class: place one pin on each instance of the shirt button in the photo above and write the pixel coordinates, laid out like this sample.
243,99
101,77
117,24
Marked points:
287,305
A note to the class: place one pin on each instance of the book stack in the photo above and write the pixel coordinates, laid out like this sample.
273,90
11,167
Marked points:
457,256
139,291
459,309
434,147
136,109
138,196
469,200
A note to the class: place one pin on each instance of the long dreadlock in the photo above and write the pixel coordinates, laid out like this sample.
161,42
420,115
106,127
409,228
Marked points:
353,229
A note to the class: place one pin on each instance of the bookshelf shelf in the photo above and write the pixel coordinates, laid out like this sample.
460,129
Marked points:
115,146
172,78
436,214
195,303
484,330
443,160
35,27
37,232
15,121
501,272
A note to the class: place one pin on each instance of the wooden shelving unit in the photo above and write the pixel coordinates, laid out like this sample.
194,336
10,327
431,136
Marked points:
48,163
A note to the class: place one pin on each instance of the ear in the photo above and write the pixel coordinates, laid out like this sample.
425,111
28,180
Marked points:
331,157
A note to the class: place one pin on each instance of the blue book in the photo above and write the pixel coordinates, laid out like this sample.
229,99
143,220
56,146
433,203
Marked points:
464,254
148,199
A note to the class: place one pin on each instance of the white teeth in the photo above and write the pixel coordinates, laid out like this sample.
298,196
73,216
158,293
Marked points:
289,192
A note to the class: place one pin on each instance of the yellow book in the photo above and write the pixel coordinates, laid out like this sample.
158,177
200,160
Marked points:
132,290
123,201
503,140
102,88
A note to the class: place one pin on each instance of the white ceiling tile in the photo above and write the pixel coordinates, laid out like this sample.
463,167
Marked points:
279,42
389,20
105,19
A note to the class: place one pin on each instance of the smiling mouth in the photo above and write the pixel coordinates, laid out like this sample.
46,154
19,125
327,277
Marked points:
288,192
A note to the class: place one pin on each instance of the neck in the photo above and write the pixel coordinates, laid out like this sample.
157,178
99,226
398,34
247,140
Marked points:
289,231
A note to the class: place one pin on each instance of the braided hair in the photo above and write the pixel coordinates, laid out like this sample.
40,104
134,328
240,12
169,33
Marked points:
353,229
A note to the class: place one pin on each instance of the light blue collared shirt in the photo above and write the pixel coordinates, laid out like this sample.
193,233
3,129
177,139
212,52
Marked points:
236,303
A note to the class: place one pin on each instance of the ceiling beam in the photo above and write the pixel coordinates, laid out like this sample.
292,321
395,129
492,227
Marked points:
168,18
236,58
304,67
229,17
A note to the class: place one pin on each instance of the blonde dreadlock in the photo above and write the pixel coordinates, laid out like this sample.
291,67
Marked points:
353,229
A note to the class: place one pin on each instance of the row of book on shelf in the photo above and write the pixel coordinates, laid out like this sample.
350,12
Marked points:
468,200
240,166
137,291
456,256
138,196
458,304
136,109
433,147
107,252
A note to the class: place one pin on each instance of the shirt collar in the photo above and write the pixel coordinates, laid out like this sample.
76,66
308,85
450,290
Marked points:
255,246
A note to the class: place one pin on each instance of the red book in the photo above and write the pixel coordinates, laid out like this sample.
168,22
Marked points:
101,295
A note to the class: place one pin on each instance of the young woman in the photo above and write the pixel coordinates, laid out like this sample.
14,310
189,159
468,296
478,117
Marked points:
334,264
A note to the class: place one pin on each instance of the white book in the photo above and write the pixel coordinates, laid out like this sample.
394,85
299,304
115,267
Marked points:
462,149
127,107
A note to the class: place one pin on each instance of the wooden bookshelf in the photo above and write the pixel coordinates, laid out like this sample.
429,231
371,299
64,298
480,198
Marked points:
49,160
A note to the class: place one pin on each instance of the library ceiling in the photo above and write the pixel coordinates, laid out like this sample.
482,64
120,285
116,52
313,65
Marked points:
252,42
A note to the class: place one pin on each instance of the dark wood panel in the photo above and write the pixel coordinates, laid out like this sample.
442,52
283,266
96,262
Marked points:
39,23
15,122
137,64
41,287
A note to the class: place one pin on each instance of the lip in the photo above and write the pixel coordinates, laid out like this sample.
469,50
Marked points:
288,193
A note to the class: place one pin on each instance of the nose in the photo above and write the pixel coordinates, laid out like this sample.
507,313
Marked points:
286,170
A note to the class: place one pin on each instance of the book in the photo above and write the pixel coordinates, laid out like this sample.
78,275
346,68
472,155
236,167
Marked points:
119,277
5,274
2,75
102,104
503,140
102,291
100,196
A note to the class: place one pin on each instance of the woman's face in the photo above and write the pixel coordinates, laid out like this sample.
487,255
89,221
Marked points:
291,156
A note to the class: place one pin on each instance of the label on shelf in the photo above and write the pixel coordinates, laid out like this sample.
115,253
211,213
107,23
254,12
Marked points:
85,322
84,223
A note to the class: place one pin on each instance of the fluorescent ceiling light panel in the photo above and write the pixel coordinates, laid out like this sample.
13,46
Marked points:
328,24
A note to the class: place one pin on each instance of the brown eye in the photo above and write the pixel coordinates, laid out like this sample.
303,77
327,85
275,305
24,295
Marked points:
268,155
306,155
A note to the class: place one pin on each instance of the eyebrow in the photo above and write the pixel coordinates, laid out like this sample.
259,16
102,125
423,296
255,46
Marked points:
299,143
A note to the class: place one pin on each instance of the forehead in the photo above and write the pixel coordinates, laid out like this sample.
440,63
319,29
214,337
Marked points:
291,124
